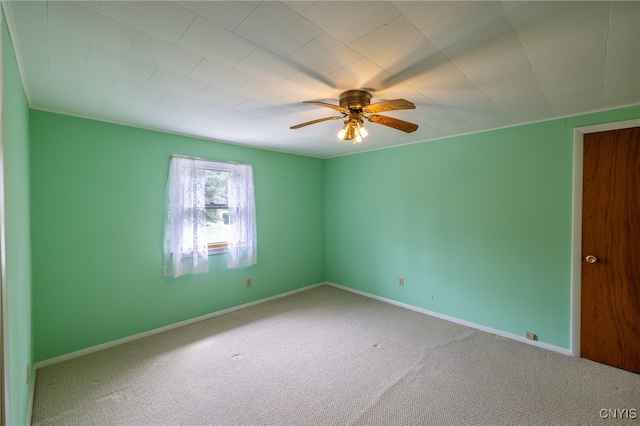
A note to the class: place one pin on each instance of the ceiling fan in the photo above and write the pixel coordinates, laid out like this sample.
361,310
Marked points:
356,106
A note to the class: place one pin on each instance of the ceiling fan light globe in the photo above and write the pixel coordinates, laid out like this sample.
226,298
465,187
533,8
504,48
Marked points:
364,132
350,134
342,133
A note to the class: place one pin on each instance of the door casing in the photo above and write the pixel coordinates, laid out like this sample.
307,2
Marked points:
576,244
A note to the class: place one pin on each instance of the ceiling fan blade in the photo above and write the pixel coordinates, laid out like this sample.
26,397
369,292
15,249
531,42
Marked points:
324,104
320,120
388,106
404,126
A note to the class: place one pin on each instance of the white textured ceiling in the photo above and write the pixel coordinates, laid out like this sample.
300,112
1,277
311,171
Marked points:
238,71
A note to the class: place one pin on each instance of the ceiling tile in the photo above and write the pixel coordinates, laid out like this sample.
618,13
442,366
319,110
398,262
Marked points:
307,85
64,88
215,42
154,121
116,63
227,14
78,22
467,103
301,113
491,61
196,117
140,89
221,97
564,38
425,13
107,94
510,5
441,118
588,76
324,55
349,20
622,68
622,88
522,107
267,65
491,122
163,19
277,28
217,74
114,112
75,104
402,90
361,74
146,106
176,82
185,102
36,71
61,69
479,40
252,106
36,65
221,112
471,26
262,90
51,43
298,6
439,77
91,5
34,12
525,82
393,45
563,102
164,54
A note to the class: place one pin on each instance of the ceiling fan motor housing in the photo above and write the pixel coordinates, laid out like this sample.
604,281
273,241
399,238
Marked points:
355,99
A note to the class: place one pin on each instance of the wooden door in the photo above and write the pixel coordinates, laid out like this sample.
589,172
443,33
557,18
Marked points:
610,307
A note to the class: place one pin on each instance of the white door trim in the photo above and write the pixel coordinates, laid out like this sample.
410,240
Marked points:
576,244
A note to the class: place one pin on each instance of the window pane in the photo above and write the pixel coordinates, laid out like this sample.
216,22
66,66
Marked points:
216,189
216,186
217,225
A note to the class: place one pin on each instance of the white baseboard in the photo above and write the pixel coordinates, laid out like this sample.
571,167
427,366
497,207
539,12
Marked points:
138,336
480,327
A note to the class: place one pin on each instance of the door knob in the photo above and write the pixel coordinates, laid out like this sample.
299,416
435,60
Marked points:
591,259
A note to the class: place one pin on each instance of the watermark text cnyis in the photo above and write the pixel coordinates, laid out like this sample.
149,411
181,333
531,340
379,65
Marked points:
618,413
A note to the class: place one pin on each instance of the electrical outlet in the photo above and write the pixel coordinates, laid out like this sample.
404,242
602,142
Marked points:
249,282
529,335
401,282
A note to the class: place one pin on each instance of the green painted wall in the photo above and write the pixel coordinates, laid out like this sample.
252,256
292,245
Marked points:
479,225
97,220
15,141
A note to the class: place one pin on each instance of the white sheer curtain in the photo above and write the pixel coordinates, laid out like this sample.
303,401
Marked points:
242,218
185,234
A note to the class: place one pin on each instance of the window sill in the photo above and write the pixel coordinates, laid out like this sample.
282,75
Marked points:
218,248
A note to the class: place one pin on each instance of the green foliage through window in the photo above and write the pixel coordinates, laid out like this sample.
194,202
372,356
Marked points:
216,192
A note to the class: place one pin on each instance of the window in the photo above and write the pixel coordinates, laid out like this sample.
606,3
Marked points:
217,209
210,208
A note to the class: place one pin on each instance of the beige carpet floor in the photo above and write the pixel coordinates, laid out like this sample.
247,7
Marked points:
330,357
